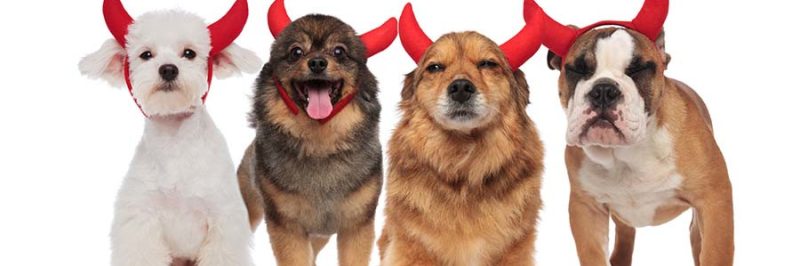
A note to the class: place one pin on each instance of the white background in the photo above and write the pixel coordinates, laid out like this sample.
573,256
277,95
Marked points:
65,140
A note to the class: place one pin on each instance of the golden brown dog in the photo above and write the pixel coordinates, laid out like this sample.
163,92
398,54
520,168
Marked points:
465,161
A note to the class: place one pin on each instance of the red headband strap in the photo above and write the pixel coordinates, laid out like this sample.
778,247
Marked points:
374,41
559,38
517,50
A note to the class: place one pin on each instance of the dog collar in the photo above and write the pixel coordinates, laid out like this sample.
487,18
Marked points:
127,74
338,107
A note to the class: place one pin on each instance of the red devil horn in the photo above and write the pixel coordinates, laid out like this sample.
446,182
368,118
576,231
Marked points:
380,38
557,37
522,46
117,19
650,20
412,37
277,18
227,28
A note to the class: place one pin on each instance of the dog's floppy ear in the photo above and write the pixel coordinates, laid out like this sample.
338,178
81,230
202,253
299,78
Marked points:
107,63
234,60
522,91
662,49
553,60
408,87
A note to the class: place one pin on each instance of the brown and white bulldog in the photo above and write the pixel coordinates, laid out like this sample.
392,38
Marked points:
640,148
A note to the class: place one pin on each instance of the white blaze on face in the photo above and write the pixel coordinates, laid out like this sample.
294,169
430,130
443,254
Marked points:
613,54
166,35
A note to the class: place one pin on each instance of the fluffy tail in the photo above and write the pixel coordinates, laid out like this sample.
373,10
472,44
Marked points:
250,193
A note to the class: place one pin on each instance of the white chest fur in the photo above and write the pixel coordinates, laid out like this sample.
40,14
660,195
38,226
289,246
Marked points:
180,197
633,181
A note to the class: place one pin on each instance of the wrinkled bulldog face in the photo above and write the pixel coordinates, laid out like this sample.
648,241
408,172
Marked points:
609,83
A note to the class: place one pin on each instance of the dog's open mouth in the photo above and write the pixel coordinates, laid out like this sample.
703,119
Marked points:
319,96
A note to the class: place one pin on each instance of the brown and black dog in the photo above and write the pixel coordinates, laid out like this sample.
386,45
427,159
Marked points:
465,161
641,147
315,166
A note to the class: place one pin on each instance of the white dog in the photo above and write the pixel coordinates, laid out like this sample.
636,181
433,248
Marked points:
180,201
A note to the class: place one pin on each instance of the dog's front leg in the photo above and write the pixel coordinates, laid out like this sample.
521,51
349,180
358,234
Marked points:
228,241
521,252
403,251
137,239
291,244
589,223
355,244
715,215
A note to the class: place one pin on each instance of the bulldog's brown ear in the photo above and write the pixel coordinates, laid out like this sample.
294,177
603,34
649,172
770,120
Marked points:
553,61
408,87
662,49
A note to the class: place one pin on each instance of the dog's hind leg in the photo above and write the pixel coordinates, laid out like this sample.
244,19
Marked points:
623,245
252,197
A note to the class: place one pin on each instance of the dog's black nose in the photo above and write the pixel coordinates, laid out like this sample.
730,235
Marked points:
317,65
604,94
168,72
461,90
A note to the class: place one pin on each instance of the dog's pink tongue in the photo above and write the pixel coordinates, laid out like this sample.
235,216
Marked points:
319,104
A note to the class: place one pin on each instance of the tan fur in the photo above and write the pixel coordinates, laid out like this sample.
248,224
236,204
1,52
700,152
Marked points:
463,198
252,197
705,187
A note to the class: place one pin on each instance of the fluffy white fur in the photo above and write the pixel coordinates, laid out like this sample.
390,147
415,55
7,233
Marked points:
180,198
613,55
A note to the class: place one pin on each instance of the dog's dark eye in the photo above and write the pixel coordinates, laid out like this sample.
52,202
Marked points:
433,68
638,68
487,64
579,67
338,51
296,52
189,54
146,55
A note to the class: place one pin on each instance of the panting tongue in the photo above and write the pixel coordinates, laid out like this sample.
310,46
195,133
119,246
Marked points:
319,103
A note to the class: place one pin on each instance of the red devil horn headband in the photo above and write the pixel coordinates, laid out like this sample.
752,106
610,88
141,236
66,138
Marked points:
222,33
374,41
117,20
559,38
226,29
517,50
